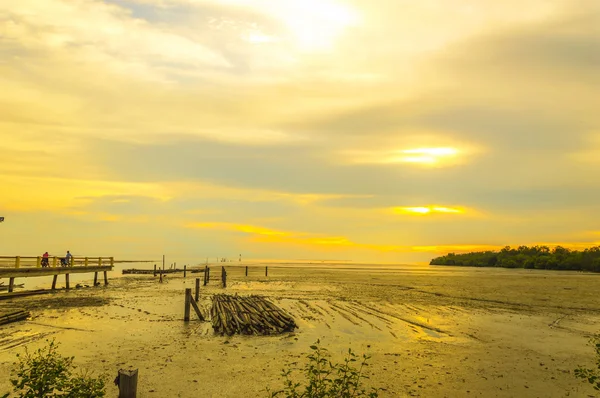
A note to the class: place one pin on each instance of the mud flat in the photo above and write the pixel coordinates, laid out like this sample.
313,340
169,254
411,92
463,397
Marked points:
431,331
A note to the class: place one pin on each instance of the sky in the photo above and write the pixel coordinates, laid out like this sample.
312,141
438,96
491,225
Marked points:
371,131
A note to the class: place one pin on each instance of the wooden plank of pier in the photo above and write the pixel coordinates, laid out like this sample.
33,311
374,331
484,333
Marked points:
48,271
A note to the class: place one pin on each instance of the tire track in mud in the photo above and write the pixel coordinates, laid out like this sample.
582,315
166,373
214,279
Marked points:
408,321
355,314
359,307
8,342
342,313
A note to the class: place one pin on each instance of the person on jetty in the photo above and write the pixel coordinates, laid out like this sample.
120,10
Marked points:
45,259
69,258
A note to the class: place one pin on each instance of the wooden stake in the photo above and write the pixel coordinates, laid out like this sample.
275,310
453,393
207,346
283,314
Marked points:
246,270
154,269
95,279
54,282
128,383
11,284
197,293
105,278
195,306
188,298
184,270
160,280
266,271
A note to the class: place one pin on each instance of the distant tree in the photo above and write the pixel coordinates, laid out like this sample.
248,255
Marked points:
534,257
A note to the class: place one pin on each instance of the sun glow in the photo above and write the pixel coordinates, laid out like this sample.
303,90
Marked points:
424,155
424,210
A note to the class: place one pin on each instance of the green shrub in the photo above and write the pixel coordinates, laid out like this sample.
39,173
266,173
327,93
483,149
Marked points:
46,373
592,376
324,378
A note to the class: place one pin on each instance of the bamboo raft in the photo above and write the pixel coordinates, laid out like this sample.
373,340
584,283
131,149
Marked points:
248,315
13,316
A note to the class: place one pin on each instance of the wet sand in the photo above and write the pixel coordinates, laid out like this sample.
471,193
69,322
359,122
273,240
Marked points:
431,331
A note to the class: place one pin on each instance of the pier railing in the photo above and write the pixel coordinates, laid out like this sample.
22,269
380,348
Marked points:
53,261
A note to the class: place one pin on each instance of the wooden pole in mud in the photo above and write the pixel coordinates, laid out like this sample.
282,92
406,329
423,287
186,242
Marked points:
266,271
128,383
154,269
160,280
246,270
11,284
163,261
197,293
188,298
224,276
184,270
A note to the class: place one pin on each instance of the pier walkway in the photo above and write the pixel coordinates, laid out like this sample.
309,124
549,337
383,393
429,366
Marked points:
12,267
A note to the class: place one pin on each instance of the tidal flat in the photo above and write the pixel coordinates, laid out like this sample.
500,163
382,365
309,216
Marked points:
431,331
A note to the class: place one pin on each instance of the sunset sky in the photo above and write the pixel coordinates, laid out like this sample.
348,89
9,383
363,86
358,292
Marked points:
379,131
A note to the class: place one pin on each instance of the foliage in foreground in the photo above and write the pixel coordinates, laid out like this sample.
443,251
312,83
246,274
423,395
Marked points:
324,378
592,376
46,373
529,257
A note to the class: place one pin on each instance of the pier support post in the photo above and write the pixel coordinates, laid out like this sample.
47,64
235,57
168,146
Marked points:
67,281
11,284
54,282
95,279
105,277
197,293
127,380
188,298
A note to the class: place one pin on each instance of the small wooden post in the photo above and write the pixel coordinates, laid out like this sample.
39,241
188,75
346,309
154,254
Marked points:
266,270
175,265
163,261
246,270
197,293
105,277
128,383
195,307
11,284
188,298
205,275
224,276
85,261
18,262
154,269
67,281
39,262
95,278
54,262
160,272
54,282
184,270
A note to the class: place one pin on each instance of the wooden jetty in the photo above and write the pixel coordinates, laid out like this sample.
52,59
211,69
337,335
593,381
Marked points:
135,271
26,267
